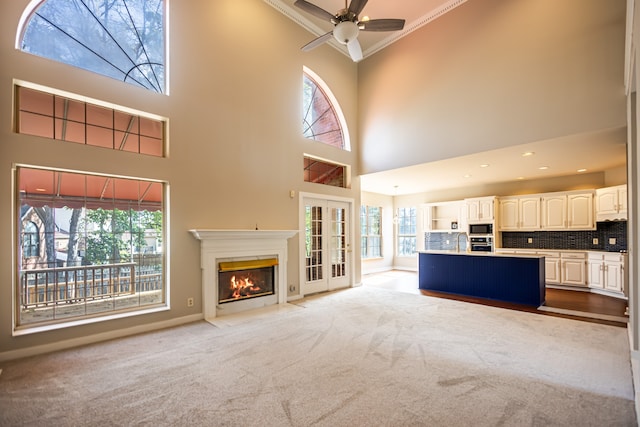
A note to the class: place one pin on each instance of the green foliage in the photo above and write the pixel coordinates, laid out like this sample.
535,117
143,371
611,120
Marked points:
115,235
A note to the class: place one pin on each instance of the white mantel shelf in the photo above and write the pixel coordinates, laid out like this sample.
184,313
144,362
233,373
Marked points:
213,234
227,245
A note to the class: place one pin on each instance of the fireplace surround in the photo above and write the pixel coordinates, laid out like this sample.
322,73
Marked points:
238,247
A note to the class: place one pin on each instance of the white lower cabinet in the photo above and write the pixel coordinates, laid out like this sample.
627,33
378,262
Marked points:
606,271
572,266
551,267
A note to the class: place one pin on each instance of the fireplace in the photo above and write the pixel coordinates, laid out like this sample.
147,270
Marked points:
242,251
242,280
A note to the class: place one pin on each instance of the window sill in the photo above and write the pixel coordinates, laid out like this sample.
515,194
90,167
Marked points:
33,329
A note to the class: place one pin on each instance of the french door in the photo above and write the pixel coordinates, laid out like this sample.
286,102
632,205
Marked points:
327,245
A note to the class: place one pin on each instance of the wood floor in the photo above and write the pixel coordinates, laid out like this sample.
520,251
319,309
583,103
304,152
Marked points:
585,306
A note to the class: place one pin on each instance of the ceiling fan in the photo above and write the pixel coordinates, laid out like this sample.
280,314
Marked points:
347,25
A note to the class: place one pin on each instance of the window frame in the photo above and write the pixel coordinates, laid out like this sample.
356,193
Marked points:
20,329
366,226
401,219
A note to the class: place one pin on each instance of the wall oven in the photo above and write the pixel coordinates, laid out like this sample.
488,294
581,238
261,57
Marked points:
480,229
482,244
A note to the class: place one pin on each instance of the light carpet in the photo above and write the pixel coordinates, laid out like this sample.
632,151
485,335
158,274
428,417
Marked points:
356,357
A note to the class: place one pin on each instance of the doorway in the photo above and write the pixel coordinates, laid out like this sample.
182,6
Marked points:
326,254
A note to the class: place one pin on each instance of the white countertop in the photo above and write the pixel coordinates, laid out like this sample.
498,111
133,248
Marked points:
478,253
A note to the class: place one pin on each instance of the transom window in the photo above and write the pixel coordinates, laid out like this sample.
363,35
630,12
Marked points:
121,39
53,116
370,231
406,220
102,240
322,119
323,172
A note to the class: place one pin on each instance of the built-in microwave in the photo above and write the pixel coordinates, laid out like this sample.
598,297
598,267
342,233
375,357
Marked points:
481,229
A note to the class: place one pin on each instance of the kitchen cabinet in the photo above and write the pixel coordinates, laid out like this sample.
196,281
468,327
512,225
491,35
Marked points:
568,211
551,266
554,212
481,209
611,203
580,211
519,213
573,268
607,271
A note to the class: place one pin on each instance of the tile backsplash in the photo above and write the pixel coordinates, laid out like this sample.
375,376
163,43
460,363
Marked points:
605,232
444,241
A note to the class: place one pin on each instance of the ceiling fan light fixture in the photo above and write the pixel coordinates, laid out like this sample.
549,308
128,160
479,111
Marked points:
346,31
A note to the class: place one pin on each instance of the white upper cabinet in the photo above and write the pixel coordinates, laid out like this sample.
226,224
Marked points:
519,213
480,209
444,216
580,211
611,203
554,212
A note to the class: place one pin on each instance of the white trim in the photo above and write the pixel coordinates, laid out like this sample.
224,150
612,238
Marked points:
91,339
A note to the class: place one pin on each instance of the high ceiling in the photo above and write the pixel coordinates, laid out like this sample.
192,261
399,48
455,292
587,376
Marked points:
564,156
416,13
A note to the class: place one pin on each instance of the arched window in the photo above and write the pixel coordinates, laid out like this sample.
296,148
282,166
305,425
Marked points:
122,39
322,119
30,240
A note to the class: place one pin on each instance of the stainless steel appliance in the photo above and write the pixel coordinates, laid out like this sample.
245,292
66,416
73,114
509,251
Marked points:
482,244
480,229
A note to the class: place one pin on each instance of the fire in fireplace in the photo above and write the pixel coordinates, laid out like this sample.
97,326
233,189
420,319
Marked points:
239,280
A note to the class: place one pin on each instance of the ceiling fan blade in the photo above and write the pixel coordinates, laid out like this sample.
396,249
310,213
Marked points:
317,41
314,10
355,51
382,25
356,6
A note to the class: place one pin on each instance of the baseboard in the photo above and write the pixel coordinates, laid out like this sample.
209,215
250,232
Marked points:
91,339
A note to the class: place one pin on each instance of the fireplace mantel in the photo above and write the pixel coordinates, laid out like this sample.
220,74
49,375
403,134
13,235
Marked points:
217,245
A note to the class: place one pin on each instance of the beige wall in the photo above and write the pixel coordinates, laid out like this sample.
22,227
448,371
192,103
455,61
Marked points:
235,139
492,74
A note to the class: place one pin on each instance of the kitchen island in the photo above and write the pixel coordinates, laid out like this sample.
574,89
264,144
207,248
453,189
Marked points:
518,279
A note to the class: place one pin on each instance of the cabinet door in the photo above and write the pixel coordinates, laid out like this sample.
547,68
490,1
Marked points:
596,274
529,213
613,276
580,211
485,207
573,272
554,212
552,270
473,210
607,201
508,214
622,199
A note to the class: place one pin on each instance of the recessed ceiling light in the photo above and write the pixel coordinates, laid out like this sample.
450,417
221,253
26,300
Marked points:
581,170
467,176
521,177
542,168
528,153
484,165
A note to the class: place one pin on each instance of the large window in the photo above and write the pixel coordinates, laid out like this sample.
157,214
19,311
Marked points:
121,39
406,219
370,231
48,115
321,117
102,240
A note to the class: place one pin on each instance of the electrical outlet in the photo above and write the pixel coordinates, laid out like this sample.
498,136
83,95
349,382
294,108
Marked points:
530,240
595,240
612,240
190,302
